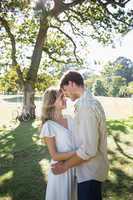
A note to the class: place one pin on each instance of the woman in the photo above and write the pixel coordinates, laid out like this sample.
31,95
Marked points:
58,137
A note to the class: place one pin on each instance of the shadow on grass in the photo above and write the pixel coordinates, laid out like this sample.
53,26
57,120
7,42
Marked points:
115,129
120,181
19,164
116,125
121,188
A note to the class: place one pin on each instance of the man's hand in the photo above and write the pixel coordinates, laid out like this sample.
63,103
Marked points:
59,168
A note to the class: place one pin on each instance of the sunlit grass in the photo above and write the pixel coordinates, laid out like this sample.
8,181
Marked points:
7,197
120,143
21,156
5,177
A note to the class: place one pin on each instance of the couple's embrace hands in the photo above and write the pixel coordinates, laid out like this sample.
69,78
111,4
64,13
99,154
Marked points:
59,167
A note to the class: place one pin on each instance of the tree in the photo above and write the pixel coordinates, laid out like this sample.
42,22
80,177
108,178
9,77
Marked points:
44,81
124,67
9,82
90,81
99,89
116,85
120,67
123,92
117,76
102,18
130,88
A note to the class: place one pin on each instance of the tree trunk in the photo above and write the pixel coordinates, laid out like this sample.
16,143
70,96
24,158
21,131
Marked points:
28,110
29,85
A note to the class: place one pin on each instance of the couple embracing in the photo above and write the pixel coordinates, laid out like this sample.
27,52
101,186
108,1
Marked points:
77,145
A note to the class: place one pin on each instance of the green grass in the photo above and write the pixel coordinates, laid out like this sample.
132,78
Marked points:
119,185
24,162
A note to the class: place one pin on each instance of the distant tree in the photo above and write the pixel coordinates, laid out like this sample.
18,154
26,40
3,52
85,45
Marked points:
99,89
90,81
44,81
9,82
123,92
115,85
130,88
123,67
117,76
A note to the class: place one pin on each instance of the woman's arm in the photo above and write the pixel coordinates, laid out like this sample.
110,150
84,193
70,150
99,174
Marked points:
50,141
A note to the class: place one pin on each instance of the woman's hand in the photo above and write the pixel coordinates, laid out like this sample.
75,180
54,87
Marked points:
59,168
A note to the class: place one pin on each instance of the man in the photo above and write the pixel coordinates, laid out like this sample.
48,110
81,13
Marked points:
90,139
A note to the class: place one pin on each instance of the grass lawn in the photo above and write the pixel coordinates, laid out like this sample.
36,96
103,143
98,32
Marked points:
24,162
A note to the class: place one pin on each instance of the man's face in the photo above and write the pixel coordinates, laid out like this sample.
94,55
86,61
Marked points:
70,91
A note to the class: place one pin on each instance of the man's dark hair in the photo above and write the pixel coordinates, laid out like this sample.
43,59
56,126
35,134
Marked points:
72,76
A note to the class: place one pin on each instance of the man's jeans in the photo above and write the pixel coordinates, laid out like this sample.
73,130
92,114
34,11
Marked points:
90,190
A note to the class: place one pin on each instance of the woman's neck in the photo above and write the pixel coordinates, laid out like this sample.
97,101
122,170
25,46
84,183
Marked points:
58,115
59,118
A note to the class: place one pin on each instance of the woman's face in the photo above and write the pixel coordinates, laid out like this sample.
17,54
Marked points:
60,102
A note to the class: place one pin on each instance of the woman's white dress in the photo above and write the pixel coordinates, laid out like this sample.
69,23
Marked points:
63,186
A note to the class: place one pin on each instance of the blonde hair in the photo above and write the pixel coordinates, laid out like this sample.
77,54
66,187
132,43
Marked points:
48,107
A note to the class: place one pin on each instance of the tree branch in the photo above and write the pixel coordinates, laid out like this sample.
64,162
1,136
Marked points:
74,3
119,3
58,61
53,58
76,30
126,2
5,24
60,7
37,52
79,14
52,26
113,16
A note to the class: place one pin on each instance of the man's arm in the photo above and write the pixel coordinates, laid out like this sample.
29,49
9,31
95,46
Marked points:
62,167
